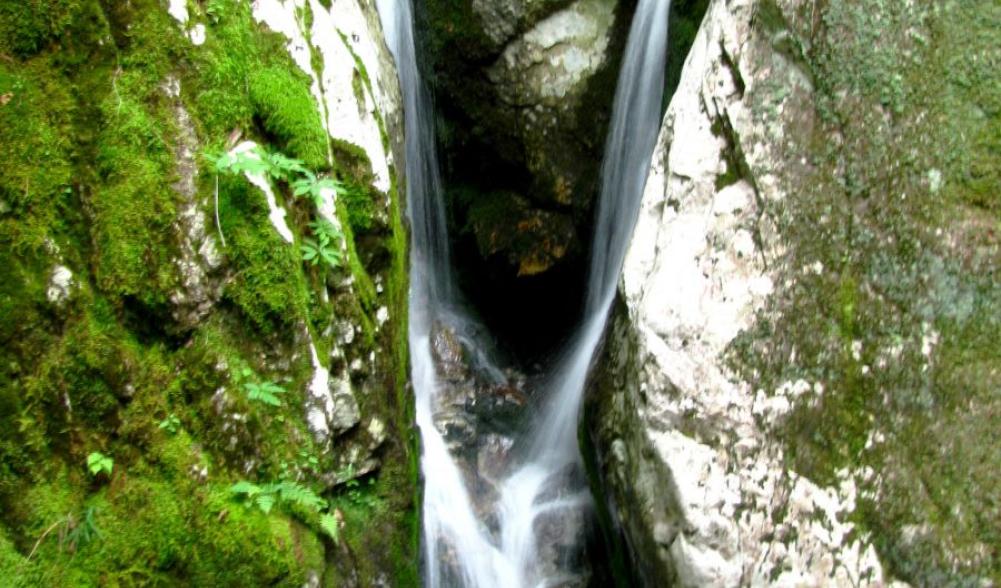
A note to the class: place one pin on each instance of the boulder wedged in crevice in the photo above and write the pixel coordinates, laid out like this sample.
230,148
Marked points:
524,93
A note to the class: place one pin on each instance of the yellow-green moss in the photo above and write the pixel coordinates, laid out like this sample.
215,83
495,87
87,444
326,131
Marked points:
282,100
87,182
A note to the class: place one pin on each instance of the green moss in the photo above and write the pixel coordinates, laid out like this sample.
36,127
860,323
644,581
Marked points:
282,100
270,288
134,207
87,182
28,27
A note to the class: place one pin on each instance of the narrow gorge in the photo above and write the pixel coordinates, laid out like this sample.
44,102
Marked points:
500,293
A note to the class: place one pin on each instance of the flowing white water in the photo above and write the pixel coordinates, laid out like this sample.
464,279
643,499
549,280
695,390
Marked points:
539,483
460,549
450,523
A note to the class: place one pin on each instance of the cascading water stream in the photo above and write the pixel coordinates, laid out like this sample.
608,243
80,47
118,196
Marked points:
553,450
546,479
448,517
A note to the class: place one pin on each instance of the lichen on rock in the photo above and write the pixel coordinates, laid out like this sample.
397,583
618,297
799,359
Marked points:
778,386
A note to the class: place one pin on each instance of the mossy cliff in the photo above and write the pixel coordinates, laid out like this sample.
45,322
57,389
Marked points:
128,328
801,381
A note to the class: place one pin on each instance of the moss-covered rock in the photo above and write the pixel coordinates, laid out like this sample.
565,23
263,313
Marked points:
144,292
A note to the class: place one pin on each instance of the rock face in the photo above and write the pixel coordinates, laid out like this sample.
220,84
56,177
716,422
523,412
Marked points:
796,385
157,306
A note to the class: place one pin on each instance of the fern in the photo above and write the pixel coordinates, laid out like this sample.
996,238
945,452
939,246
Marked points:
330,525
298,494
246,488
286,492
265,502
264,392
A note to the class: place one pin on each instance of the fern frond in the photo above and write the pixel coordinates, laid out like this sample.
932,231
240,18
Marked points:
330,526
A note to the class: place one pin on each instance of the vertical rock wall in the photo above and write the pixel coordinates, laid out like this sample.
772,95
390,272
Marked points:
149,296
797,387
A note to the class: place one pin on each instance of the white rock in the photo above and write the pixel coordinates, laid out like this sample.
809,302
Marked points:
60,284
197,34
179,10
276,214
344,117
696,276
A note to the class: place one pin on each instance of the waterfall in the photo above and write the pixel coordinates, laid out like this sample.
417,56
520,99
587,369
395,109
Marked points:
543,483
447,514
546,485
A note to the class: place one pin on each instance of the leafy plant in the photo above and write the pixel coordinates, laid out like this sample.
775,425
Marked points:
264,392
281,167
252,161
311,186
324,229
286,492
97,462
326,246
314,251
171,424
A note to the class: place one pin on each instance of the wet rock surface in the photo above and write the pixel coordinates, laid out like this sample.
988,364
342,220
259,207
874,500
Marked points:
480,419
526,91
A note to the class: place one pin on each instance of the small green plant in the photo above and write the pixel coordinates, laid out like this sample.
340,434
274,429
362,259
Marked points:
362,494
215,9
264,392
171,424
252,161
286,492
359,493
326,230
281,167
82,531
325,247
97,462
330,524
73,533
311,186
314,251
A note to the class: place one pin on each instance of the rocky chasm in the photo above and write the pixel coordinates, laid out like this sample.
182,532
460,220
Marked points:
286,287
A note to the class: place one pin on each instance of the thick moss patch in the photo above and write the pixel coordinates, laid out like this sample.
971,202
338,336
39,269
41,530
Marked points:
90,117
